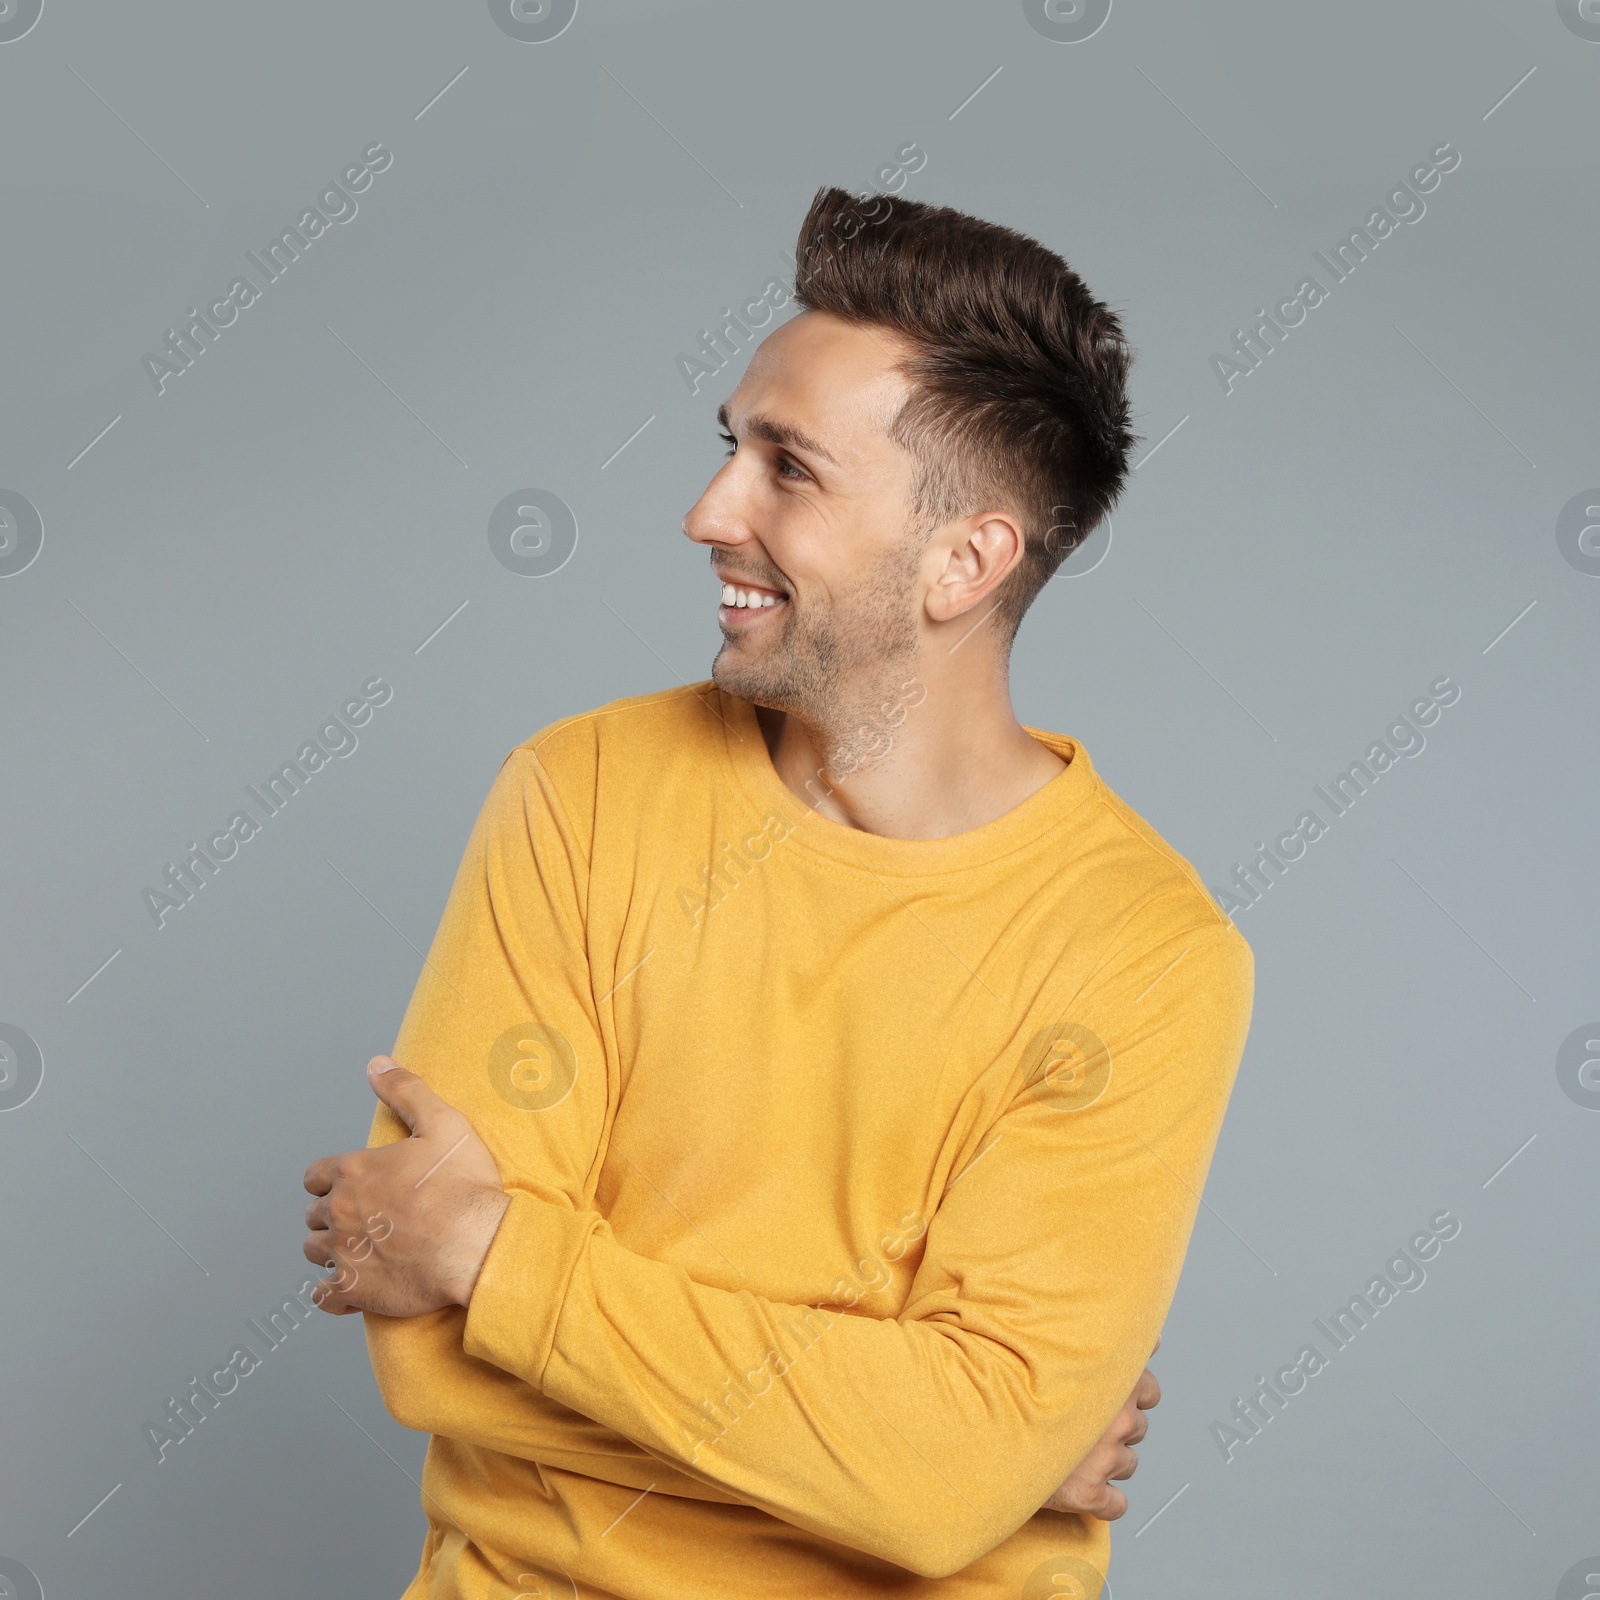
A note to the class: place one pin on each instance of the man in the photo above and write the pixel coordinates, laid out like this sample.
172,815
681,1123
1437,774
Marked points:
811,1084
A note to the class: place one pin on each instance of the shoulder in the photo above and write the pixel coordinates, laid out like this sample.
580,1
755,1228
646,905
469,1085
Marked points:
1153,892
658,727
622,752
1168,955
559,783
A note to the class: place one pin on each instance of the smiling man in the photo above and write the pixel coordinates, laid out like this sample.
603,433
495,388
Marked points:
802,1113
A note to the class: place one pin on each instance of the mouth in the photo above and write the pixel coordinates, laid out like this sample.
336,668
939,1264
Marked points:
744,603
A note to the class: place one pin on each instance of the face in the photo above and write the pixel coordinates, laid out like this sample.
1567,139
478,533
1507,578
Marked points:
809,523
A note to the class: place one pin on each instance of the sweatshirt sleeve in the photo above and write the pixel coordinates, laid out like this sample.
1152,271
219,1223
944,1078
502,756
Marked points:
503,1023
1049,1264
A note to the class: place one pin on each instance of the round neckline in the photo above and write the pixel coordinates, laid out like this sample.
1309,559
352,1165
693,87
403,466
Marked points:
1046,808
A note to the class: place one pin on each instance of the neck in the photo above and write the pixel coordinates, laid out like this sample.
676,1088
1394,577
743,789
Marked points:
942,754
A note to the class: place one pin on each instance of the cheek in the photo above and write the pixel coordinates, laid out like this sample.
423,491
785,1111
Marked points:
797,540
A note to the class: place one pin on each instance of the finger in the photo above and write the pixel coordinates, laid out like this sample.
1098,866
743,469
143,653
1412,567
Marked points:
1127,1466
317,1213
326,1297
1112,1506
1158,1344
1147,1392
342,1279
1123,1424
1140,1428
1080,1494
319,1175
404,1093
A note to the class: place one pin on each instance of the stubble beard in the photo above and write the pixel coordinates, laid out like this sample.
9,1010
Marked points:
838,671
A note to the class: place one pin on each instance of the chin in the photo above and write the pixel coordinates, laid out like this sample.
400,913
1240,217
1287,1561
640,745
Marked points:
760,680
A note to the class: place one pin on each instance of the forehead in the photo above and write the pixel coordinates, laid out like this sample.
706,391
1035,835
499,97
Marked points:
837,381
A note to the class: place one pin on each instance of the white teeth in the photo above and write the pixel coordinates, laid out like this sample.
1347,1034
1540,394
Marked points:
748,599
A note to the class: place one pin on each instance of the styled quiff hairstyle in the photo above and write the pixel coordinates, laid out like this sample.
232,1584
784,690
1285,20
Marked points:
1019,389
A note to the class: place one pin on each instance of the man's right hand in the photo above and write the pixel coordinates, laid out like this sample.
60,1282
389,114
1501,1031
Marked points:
1089,1488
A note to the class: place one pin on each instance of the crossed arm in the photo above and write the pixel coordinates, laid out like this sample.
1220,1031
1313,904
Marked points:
1044,1277
407,1227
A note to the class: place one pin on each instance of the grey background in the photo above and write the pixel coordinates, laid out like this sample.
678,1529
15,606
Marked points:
306,506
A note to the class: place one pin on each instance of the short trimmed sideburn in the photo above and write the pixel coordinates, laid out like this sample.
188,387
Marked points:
1019,388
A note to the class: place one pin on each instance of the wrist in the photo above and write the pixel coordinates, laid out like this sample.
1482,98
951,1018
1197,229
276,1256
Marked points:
487,1216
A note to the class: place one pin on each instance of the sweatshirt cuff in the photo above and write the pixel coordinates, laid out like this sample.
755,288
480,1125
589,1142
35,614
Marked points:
516,1302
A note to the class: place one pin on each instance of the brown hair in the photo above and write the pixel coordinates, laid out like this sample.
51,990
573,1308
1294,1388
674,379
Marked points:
1019,391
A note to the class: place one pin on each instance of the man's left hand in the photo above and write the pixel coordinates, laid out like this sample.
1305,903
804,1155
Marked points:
406,1225
1091,1488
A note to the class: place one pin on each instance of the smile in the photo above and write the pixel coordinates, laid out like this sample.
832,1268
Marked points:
741,602
738,597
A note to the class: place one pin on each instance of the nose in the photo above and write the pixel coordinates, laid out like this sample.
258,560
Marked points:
717,517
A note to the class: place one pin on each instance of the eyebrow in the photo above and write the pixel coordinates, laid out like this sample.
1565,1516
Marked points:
784,435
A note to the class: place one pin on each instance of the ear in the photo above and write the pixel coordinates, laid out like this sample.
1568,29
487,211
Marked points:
978,554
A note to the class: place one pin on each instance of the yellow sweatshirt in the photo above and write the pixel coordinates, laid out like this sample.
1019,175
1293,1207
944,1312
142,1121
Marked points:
851,1176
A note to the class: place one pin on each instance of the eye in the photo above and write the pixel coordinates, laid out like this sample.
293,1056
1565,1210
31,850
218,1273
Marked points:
786,467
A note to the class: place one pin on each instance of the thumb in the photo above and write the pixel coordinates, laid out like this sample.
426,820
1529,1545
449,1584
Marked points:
403,1092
